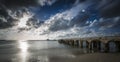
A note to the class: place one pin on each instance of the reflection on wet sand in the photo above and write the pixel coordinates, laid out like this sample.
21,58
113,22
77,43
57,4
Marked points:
51,51
23,45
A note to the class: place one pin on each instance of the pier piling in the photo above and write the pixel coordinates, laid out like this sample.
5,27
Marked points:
102,44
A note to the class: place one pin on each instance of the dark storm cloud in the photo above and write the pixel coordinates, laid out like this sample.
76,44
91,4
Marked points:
3,16
110,8
99,19
72,17
7,24
80,20
27,3
6,20
17,3
109,23
10,18
104,8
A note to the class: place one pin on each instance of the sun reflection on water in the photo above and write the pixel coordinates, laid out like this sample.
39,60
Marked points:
23,45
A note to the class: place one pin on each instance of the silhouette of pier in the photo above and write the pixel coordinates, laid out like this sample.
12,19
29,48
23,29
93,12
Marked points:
102,44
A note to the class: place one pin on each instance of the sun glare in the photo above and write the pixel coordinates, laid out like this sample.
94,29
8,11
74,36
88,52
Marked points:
23,45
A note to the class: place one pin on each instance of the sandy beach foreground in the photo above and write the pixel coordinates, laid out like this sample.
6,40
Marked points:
95,57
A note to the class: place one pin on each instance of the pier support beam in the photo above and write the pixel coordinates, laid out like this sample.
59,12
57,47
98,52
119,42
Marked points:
95,45
113,46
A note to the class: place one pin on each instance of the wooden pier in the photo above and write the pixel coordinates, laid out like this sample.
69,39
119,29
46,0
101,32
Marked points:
103,44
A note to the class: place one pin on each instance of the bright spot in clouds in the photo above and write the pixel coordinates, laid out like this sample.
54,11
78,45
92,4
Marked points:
23,20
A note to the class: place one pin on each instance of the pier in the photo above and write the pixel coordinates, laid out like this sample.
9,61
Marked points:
102,44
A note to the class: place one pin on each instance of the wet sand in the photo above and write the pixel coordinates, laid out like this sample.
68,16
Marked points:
50,51
95,57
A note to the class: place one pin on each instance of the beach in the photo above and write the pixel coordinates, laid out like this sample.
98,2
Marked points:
50,51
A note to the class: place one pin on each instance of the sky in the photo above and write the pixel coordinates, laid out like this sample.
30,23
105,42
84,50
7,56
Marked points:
56,19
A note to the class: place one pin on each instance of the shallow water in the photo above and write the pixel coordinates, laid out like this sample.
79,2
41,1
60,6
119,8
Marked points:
49,51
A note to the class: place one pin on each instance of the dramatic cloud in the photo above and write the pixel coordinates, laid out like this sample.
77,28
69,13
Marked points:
25,3
12,10
101,27
82,18
110,8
